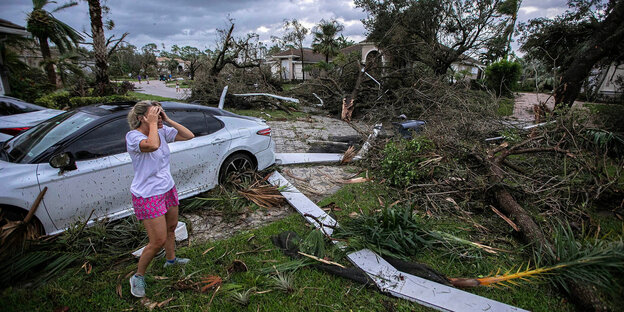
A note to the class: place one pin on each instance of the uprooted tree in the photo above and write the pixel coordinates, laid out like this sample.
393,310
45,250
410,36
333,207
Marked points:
236,62
436,33
590,34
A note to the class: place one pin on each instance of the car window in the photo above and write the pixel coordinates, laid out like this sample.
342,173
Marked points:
9,108
214,124
107,139
194,121
30,144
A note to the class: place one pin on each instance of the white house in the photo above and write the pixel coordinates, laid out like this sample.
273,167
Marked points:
287,64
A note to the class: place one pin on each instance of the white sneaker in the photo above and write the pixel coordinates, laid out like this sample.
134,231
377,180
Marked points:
176,260
137,286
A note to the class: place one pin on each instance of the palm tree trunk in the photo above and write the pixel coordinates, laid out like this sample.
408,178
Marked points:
302,70
99,48
47,59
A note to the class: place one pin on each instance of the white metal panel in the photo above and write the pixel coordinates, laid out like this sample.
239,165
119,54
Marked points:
304,158
303,204
420,290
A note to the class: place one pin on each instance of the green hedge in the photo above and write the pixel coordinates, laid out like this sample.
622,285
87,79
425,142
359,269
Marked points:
56,100
88,100
502,76
62,99
402,160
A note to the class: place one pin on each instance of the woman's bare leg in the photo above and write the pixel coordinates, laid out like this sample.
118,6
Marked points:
157,234
172,222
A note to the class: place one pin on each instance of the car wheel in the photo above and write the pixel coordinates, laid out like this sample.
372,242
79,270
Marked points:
16,238
236,164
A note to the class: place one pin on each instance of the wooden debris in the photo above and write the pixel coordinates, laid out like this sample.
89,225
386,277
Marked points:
213,295
357,180
209,282
265,195
348,155
87,267
207,250
500,214
257,250
164,303
321,260
118,291
237,266
149,304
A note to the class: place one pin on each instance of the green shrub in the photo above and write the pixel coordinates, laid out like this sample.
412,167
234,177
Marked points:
29,84
402,160
57,100
88,100
502,76
505,107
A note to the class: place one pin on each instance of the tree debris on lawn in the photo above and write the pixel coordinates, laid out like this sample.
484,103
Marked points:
414,291
13,234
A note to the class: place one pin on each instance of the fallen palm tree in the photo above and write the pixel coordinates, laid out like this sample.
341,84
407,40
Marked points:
589,263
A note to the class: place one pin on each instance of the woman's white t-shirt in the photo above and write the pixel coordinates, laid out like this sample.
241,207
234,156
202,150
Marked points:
152,173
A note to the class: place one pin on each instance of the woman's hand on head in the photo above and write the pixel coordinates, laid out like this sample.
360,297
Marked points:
151,117
164,116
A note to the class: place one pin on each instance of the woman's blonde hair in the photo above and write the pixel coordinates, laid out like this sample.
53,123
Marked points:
139,110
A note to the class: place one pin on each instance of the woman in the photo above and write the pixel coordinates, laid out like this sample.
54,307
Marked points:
154,196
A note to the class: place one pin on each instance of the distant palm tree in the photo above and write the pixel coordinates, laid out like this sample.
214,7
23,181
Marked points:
44,26
102,82
68,63
325,41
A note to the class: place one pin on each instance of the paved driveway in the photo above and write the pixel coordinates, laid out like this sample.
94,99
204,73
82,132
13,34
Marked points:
156,87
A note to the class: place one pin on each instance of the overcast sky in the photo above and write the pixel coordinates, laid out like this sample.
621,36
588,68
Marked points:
193,22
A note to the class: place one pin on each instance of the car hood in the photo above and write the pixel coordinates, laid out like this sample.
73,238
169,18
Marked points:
28,119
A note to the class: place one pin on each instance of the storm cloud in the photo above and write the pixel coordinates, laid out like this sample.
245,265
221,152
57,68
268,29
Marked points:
194,22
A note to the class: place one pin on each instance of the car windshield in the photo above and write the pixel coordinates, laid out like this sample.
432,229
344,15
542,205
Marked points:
36,140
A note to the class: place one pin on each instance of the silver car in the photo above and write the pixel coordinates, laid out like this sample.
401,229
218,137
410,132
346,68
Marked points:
80,156
17,116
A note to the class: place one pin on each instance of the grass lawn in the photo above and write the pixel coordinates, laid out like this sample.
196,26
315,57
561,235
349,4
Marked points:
314,290
143,96
505,107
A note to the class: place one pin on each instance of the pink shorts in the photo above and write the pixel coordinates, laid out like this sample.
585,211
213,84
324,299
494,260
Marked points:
154,206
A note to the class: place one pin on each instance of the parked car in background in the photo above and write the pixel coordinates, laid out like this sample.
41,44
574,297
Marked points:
17,116
81,157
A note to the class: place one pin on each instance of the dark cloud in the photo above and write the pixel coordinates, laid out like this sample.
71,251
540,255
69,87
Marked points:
193,22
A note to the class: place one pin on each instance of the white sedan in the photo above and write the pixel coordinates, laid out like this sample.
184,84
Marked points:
80,156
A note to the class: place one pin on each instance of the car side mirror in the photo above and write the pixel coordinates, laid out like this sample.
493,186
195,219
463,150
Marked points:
63,161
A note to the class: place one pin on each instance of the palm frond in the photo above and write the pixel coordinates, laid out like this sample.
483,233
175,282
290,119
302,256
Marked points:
594,262
284,282
64,6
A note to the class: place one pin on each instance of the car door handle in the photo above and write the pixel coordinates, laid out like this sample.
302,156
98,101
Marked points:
218,140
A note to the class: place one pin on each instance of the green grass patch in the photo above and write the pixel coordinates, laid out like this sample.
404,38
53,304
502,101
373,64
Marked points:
289,86
313,290
505,107
270,114
143,96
